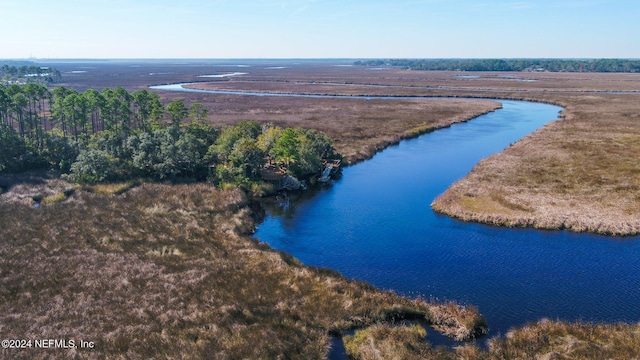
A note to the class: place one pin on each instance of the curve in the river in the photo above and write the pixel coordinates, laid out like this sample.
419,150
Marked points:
181,88
375,224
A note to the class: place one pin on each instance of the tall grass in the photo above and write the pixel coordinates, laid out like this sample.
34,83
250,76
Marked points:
580,173
168,271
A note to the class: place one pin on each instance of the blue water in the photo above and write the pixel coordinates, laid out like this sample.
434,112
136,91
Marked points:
376,224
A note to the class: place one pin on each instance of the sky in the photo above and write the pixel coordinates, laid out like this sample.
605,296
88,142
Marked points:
319,29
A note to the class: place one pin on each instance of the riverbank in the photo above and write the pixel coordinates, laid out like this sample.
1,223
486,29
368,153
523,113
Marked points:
580,173
545,339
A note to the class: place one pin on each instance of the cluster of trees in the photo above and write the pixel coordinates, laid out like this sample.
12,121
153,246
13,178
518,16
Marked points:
42,128
235,154
24,74
241,151
116,135
553,65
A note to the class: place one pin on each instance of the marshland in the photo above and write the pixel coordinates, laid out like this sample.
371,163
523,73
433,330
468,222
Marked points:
149,269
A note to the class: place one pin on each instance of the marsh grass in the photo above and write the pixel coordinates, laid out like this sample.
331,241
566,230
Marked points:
59,197
542,340
389,342
559,340
168,271
111,188
581,173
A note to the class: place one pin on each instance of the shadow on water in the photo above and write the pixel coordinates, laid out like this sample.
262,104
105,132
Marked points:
337,350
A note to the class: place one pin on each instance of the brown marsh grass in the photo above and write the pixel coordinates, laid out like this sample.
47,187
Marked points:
548,339
169,271
390,342
580,173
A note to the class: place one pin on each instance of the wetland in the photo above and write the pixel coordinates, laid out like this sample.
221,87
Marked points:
194,239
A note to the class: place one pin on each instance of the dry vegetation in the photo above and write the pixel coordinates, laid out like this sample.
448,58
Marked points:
581,173
169,271
542,340
385,342
557,340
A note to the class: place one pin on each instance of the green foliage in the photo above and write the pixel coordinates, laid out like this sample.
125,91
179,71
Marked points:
198,112
59,153
286,147
27,73
238,153
242,150
92,166
301,151
267,140
247,156
148,109
203,132
554,65
223,146
225,174
114,135
10,147
178,112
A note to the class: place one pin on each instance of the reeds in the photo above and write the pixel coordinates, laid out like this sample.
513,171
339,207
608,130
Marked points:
169,271
385,342
580,174
559,340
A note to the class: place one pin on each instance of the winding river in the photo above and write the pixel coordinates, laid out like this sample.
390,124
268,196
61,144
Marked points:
376,224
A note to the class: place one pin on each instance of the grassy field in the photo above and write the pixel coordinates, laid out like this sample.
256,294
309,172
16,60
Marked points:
170,271
581,173
542,340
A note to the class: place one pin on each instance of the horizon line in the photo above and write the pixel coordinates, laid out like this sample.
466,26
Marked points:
310,58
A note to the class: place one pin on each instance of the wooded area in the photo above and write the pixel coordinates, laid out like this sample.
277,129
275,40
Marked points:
552,65
116,135
27,73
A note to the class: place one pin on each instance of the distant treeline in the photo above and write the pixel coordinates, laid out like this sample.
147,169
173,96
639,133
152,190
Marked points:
553,65
25,73
115,135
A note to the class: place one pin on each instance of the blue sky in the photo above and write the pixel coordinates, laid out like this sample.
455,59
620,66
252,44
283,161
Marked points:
319,29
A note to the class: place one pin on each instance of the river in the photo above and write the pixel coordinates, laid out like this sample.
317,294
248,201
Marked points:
375,224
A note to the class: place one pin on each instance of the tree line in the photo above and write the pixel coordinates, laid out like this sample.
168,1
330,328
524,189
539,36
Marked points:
553,65
11,74
115,135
